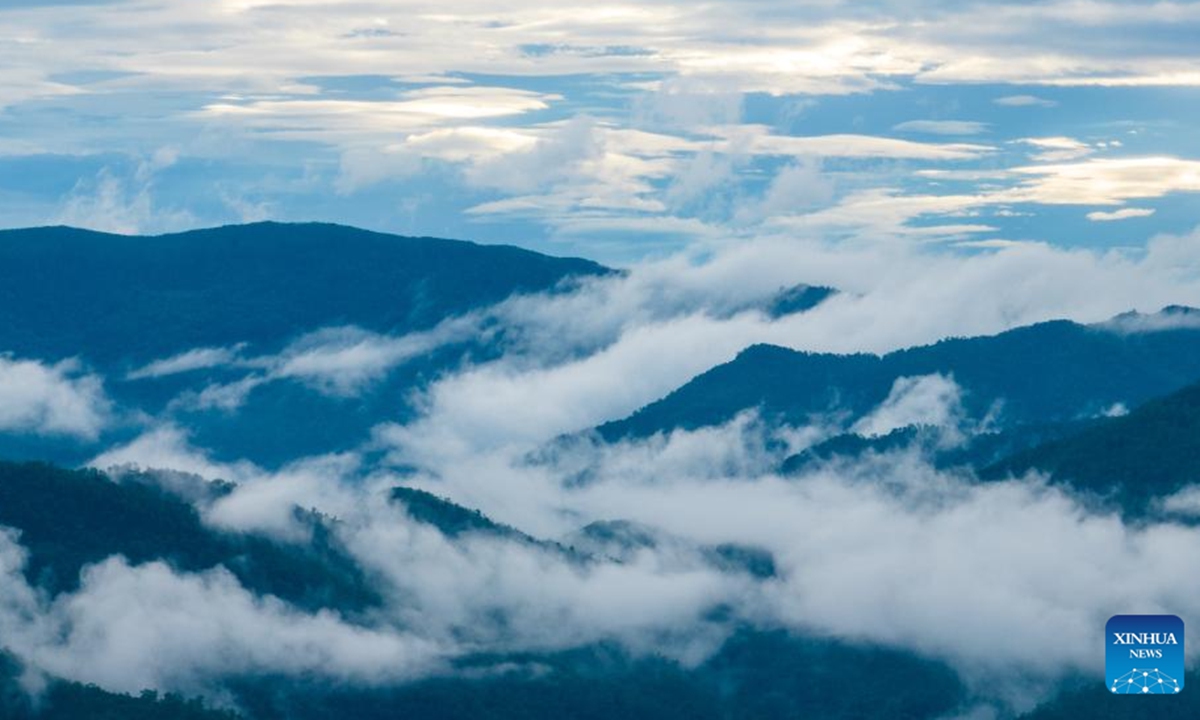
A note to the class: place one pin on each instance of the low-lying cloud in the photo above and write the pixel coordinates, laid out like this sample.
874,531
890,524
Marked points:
58,399
1004,581
132,627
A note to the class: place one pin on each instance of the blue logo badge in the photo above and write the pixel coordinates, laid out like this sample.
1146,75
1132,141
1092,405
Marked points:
1145,654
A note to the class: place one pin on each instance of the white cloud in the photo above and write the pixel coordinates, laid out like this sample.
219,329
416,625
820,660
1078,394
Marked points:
1024,101
933,400
797,186
1122,214
556,156
582,358
197,359
1185,502
1106,181
167,448
1057,149
943,127
839,535
266,502
129,628
1168,319
328,87
261,501
1116,410
877,213
337,362
342,361
416,110
108,202
51,399
759,141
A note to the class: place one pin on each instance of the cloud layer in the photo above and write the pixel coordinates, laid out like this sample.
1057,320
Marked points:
644,125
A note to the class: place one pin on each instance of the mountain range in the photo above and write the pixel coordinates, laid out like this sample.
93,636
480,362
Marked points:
1109,411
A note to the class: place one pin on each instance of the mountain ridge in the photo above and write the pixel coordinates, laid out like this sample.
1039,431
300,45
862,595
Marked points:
134,299
1051,371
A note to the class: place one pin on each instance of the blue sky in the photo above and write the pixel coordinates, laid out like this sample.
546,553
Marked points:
617,131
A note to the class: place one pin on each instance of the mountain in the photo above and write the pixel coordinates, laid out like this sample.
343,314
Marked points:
797,299
67,519
975,451
124,299
72,518
73,701
756,676
239,296
1093,701
1051,372
1150,453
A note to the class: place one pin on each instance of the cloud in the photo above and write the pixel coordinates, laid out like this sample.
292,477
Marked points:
342,361
109,202
847,541
1024,101
336,361
1186,502
1122,214
166,447
1106,181
943,127
1171,318
415,110
259,501
553,158
761,142
877,213
933,400
197,359
1057,149
843,533
128,628
682,102
52,399
266,503
578,359
797,186
335,100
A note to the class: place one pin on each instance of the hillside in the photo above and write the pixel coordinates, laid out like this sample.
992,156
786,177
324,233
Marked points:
71,518
1050,372
1151,452
118,303
113,298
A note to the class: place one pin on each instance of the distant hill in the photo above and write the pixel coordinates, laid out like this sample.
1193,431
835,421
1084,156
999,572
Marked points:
1093,701
797,299
119,302
113,298
72,518
73,701
1050,372
1151,452
755,676
975,451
